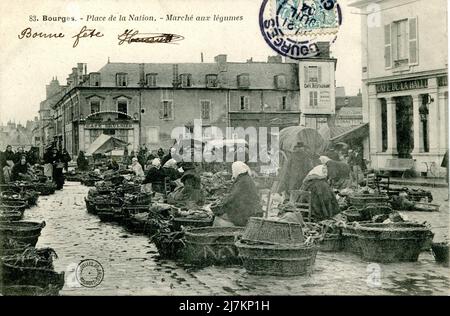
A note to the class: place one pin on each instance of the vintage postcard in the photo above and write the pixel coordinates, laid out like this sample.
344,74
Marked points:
206,148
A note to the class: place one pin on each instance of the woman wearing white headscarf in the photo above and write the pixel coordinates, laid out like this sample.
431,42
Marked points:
323,200
137,168
243,201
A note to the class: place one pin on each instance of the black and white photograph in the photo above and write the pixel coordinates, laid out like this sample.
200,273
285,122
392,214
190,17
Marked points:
244,148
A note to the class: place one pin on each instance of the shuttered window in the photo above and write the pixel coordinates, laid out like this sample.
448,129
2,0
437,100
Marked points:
387,46
244,105
166,110
413,47
206,109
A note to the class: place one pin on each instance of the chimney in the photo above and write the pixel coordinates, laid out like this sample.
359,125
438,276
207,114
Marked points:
201,57
141,75
324,49
274,59
175,81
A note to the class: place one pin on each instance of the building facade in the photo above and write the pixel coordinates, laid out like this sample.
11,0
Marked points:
405,89
142,104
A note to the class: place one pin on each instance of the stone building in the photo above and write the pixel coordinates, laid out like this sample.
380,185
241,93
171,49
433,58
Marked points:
405,89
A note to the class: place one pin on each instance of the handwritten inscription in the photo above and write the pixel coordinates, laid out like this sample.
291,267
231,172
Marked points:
128,36
85,32
133,36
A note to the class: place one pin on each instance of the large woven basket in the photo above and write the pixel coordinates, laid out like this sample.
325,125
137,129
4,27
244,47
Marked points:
179,222
22,231
396,242
211,245
280,260
362,200
273,232
331,243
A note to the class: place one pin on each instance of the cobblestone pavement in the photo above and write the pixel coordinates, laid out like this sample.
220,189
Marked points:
132,266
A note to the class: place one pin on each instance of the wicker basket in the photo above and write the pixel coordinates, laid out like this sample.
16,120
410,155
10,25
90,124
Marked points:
332,243
280,260
440,252
350,241
178,222
362,200
24,232
14,206
271,231
211,246
354,215
8,216
372,210
45,188
396,242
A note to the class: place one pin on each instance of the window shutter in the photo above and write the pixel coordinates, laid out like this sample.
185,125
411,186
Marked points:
387,46
319,74
306,74
246,103
170,110
161,110
413,47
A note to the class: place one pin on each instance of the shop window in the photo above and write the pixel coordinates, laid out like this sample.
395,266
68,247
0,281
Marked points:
206,109
121,79
244,103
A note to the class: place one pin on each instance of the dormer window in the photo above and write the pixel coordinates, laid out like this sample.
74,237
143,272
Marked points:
186,80
211,81
243,81
121,79
280,82
94,79
150,80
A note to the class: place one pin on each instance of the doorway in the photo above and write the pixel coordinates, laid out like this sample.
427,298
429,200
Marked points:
405,133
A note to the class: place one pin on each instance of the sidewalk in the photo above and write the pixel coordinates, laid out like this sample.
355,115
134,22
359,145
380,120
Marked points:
426,182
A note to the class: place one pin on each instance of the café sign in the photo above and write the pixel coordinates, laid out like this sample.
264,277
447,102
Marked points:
109,125
402,85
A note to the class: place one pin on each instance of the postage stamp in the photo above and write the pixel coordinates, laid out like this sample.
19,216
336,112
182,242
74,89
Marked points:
294,27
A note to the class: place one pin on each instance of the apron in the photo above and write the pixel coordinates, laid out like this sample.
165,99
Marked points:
48,170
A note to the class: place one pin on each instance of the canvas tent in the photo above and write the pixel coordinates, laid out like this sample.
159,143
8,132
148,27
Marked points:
104,144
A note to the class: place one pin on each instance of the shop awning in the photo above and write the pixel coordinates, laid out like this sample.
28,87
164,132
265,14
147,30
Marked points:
104,144
353,134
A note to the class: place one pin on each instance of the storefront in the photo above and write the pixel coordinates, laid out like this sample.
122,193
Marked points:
116,124
408,120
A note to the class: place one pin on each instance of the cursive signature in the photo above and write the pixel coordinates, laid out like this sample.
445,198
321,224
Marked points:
85,32
133,36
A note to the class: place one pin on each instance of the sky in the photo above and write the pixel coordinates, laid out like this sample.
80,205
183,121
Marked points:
28,64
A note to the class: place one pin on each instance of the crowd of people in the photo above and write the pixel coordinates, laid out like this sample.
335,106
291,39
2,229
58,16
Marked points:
24,165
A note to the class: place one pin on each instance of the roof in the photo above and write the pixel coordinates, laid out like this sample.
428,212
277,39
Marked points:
349,101
103,144
261,73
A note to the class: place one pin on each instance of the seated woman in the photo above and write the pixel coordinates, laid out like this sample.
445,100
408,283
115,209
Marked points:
243,201
190,193
338,173
137,168
21,170
323,200
170,170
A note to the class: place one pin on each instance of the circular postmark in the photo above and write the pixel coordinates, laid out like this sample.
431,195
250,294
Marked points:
89,273
294,28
